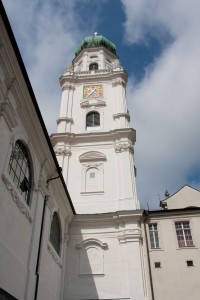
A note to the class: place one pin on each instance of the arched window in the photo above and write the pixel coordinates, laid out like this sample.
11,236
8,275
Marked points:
93,119
19,169
93,66
55,234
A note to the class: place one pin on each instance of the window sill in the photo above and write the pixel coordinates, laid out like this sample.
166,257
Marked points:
92,193
17,198
156,249
54,254
186,247
92,274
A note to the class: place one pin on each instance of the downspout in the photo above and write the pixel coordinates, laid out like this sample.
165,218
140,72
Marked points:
148,258
40,239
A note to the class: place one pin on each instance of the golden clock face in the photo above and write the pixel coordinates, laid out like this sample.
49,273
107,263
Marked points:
92,91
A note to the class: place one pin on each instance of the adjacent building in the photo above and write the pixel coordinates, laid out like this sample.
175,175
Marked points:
173,246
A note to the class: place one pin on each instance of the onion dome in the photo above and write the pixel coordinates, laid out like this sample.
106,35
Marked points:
94,41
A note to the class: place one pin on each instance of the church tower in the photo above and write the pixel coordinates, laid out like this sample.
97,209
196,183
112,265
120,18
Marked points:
94,143
94,146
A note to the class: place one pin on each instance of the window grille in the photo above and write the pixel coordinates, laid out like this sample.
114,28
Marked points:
153,234
19,168
183,233
93,119
93,66
55,234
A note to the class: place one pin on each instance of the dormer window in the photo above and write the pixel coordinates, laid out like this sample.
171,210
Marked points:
93,67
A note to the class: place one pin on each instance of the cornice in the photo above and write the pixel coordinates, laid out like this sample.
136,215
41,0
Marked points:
119,218
92,137
114,75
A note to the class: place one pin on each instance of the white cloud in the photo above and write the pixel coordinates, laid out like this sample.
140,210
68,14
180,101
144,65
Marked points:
165,106
47,34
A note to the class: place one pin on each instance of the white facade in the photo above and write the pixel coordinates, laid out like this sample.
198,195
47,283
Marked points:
105,257
107,149
174,241
24,261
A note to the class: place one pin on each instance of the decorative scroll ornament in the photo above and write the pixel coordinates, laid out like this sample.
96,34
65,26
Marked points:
118,81
124,146
116,64
68,86
92,164
69,69
62,150
19,202
54,255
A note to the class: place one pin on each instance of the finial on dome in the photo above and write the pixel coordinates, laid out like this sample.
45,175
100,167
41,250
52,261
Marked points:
95,33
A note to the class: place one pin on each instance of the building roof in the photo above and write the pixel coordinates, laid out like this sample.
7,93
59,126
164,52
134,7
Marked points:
96,40
184,197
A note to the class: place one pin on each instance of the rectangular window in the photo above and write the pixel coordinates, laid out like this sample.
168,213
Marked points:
157,265
190,263
183,233
153,234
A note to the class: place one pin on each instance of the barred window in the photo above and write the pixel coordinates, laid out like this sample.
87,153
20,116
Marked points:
55,234
183,233
93,66
19,168
93,119
153,234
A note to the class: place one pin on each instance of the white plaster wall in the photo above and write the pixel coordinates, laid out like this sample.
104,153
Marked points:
175,280
122,275
19,223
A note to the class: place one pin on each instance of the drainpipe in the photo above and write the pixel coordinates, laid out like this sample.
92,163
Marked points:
40,240
148,258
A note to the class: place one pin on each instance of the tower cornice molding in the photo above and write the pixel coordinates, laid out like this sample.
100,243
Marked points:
68,81
111,136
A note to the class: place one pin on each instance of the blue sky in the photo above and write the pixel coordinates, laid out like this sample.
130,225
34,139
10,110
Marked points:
158,44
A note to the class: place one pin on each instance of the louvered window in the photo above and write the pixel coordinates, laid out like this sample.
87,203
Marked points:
93,119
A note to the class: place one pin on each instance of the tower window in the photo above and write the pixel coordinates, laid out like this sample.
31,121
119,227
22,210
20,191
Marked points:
93,66
55,235
93,119
19,169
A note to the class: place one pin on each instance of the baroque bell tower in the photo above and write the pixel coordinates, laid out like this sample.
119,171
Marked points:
94,143
94,146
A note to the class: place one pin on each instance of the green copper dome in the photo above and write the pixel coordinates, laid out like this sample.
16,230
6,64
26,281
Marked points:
96,40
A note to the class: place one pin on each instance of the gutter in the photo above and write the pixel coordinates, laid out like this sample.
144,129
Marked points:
148,256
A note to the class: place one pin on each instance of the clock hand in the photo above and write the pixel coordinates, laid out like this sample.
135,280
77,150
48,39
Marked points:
92,91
